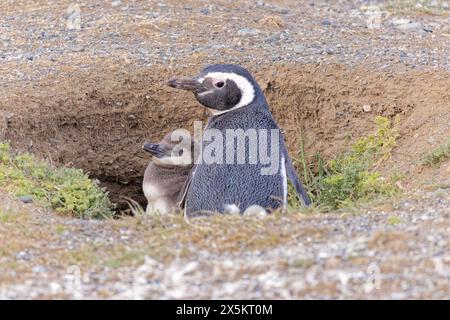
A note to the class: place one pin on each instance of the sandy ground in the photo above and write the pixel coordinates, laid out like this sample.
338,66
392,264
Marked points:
89,94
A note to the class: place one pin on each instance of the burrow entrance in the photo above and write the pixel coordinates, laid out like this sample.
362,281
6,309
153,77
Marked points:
98,121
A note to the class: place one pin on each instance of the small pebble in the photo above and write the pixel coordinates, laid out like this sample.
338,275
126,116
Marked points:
153,15
26,199
400,21
78,49
247,32
23,255
412,26
299,48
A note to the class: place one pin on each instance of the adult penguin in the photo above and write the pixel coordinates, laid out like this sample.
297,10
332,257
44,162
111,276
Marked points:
238,176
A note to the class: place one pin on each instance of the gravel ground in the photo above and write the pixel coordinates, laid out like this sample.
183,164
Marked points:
357,257
37,40
399,252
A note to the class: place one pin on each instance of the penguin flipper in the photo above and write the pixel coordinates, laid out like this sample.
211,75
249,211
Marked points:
293,176
181,200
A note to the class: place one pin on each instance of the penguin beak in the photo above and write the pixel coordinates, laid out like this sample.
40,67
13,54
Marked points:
155,149
186,83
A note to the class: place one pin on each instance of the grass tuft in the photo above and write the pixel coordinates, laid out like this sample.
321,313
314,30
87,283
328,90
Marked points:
393,220
437,156
65,190
352,176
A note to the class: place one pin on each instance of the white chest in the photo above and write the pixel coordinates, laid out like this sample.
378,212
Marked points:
157,202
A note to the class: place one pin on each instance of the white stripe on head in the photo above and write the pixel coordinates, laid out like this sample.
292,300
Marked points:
247,89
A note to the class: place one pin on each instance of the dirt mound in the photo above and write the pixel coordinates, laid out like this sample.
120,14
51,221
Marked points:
98,119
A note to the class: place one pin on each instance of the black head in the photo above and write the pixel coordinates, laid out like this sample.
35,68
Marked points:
221,87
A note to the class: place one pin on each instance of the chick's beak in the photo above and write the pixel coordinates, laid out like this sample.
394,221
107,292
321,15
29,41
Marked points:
155,149
186,83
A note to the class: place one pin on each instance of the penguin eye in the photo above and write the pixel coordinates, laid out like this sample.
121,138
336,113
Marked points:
219,84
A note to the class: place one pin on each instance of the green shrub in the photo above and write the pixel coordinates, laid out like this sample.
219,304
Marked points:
352,176
438,155
66,190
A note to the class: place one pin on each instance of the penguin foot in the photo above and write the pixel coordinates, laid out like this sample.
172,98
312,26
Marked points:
231,209
255,211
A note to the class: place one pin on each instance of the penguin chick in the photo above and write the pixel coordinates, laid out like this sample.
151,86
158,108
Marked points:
166,174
